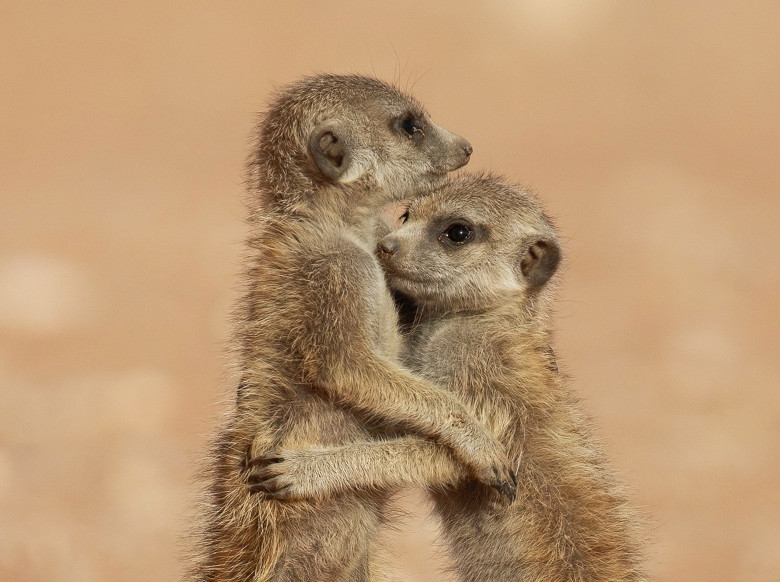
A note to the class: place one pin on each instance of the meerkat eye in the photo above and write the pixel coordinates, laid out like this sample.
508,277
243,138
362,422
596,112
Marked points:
411,128
458,233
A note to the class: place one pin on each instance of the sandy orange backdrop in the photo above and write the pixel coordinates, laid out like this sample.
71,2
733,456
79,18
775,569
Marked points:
650,129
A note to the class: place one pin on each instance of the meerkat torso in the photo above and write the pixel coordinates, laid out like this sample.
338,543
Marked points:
474,259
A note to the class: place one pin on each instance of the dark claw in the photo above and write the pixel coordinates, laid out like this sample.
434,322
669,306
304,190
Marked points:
511,492
258,488
262,474
263,460
504,488
267,489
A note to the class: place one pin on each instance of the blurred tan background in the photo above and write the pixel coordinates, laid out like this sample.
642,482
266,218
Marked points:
651,130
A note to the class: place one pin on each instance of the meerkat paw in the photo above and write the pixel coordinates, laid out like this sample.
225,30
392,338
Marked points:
283,475
266,475
486,460
502,479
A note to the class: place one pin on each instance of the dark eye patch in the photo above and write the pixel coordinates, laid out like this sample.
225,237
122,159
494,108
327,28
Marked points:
458,233
412,127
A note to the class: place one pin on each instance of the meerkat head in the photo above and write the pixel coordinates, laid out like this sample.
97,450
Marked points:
341,129
471,244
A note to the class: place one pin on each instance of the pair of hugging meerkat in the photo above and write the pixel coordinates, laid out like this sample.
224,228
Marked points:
335,408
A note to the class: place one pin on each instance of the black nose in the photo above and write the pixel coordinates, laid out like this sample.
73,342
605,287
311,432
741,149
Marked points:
387,248
467,149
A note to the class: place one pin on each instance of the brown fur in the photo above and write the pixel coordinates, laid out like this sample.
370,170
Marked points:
317,339
482,328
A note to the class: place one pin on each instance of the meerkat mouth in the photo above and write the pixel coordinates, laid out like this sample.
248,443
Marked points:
397,276
391,273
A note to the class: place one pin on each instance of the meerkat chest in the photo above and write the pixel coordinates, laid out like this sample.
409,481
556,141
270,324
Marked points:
464,356
452,352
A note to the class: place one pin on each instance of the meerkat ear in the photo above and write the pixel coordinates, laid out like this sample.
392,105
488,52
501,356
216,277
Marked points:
332,153
539,262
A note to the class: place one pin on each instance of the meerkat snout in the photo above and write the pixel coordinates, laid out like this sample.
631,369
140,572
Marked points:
459,150
387,247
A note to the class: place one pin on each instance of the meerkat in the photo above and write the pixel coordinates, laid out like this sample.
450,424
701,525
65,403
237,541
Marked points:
475,261
317,338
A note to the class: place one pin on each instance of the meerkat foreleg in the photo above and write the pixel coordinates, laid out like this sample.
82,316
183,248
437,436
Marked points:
320,472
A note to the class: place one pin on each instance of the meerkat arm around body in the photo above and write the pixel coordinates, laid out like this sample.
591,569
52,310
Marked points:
339,359
320,472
